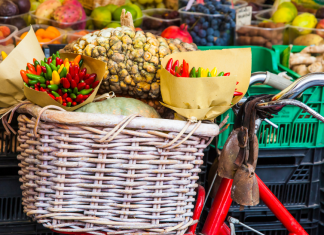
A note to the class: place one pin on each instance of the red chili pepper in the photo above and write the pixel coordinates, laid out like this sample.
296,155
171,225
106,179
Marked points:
42,89
38,69
49,60
43,69
48,83
31,68
64,104
65,96
73,84
185,72
86,76
74,103
237,93
91,79
58,61
87,87
36,89
66,84
237,83
52,96
85,97
81,75
79,98
76,78
68,99
76,69
169,65
34,60
84,70
71,71
81,86
172,72
28,71
95,84
59,91
176,64
227,74
177,75
69,77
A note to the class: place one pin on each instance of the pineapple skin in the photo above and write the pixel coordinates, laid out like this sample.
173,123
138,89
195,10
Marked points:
133,59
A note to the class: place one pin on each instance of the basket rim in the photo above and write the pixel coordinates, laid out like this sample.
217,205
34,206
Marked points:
108,120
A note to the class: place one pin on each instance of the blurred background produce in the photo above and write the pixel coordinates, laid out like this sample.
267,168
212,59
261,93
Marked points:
68,14
157,20
15,12
7,33
211,24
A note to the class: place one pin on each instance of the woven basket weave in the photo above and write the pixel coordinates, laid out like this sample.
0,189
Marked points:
74,181
92,4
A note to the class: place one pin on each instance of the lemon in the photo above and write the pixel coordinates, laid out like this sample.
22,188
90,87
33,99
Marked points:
290,6
283,15
305,20
142,2
138,22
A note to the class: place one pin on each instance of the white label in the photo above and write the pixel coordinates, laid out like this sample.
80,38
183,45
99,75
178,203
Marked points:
243,16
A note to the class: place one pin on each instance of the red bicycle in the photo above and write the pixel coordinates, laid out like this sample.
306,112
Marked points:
214,224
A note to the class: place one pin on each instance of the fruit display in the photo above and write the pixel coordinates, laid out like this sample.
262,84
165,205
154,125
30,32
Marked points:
68,14
120,106
157,20
7,33
263,34
309,60
109,16
133,58
15,12
44,33
64,81
211,24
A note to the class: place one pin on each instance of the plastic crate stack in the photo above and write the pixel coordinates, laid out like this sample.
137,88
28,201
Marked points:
12,218
290,159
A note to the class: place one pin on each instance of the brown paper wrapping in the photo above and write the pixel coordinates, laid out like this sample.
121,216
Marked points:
206,98
93,66
11,88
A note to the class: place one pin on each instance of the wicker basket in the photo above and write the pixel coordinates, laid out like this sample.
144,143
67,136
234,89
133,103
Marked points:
104,174
92,4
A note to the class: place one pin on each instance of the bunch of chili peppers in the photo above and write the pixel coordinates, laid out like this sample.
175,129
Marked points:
183,71
63,81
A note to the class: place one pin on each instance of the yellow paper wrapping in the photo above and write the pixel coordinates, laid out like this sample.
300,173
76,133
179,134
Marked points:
11,88
93,66
206,98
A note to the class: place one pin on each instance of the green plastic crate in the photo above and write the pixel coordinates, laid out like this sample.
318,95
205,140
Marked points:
278,49
296,128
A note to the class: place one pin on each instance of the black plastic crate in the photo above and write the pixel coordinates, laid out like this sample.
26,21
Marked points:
276,229
321,228
292,175
51,49
26,229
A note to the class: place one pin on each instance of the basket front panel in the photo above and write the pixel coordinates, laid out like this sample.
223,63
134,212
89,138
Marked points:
127,184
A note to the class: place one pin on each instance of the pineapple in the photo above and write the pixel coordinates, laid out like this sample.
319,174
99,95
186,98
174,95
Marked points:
133,58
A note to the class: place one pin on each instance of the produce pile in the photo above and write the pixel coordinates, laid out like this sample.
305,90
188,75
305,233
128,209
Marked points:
64,81
45,35
161,20
309,60
213,27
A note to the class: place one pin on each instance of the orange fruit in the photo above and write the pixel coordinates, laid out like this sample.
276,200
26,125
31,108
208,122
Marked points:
39,38
1,35
53,30
23,35
56,42
50,35
40,33
9,41
5,31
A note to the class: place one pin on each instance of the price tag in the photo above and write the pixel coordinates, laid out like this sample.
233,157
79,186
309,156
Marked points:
243,16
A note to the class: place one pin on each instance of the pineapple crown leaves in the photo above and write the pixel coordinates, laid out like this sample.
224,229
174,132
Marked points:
126,19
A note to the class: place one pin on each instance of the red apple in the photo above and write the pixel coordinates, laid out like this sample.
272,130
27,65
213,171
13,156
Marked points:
320,26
